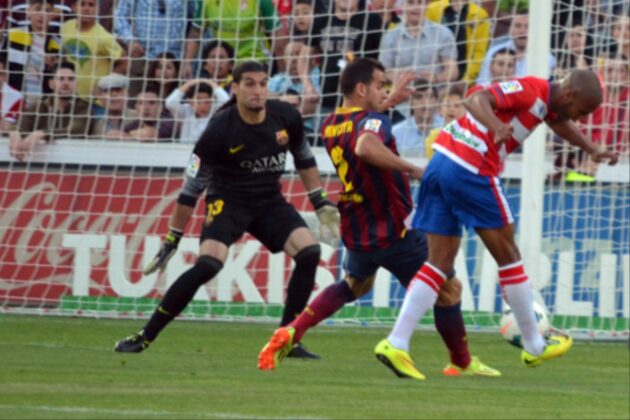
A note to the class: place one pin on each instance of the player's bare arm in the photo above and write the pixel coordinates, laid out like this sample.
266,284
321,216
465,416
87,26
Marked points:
400,91
180,217
482,105
371,149
570,132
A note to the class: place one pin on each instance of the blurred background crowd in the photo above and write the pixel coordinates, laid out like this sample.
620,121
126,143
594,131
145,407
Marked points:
156,70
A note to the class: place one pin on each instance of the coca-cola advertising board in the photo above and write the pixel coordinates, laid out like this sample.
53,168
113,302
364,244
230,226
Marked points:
86,233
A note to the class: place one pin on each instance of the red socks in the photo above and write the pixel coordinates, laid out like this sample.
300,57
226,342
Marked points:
327,303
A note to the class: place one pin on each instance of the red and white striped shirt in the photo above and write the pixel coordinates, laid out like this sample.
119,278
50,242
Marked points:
10,103
522,102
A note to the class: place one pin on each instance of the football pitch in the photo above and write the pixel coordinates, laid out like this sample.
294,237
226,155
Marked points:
65,368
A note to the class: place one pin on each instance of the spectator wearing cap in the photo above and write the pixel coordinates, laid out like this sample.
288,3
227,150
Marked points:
94,51
426,47
411,133
113,94
193,104
470,26
59,115
10,100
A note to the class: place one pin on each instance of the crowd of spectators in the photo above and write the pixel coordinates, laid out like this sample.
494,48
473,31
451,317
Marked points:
156,70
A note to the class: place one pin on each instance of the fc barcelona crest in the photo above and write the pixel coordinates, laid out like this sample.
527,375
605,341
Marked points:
282,137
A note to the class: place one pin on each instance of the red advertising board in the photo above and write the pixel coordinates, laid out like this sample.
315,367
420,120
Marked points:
39,209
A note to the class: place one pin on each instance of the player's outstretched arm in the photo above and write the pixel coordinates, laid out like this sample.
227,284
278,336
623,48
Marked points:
571,133
400,91
371,149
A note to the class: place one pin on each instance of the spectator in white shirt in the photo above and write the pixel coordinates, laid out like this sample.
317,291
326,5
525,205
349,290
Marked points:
193,104
517,42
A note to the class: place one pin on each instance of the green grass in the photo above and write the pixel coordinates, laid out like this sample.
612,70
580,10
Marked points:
65,368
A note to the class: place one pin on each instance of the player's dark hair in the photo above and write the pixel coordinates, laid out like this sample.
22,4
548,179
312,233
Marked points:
237,74
217,43
249,66
199,88
307,2
3,59
361,70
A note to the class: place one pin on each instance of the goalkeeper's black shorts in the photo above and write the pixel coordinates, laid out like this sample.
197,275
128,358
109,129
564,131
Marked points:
271,221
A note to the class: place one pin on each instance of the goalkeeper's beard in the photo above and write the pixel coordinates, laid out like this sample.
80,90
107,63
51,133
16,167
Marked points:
254,108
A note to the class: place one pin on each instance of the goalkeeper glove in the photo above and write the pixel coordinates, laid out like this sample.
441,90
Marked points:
328,215
166,252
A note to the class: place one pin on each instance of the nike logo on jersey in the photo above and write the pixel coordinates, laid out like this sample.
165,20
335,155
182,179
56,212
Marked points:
236,149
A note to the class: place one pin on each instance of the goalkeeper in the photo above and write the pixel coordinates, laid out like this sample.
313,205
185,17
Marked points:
239,160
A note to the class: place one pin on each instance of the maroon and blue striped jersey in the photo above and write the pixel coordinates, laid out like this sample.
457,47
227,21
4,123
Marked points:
374,203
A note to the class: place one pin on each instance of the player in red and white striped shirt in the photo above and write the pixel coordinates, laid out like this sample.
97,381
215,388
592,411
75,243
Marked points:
461,187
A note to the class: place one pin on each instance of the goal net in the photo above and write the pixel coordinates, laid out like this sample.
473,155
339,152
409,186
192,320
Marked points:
84,206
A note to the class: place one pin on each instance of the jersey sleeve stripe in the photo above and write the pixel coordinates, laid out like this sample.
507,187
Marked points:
520,131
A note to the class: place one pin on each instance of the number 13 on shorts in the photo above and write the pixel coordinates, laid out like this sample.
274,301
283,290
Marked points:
214,209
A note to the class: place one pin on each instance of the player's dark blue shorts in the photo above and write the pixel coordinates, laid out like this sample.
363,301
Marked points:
451,196
403,259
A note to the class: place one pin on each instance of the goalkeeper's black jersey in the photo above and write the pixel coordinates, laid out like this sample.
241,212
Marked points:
244,161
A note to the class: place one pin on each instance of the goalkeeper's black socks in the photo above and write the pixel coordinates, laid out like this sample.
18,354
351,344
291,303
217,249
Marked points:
181,293
301,282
